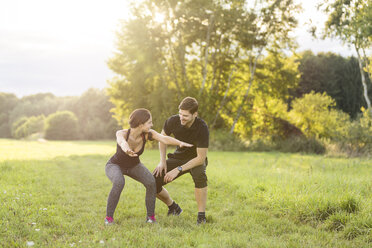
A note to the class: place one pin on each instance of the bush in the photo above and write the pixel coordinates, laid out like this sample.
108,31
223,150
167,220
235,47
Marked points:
95,129
315,115
268,119
16,130
220,140
31,125
61,125
360,131
293,144
92,129
300,144
357,140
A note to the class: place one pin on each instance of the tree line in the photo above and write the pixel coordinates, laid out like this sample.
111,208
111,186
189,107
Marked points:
63,118
325,100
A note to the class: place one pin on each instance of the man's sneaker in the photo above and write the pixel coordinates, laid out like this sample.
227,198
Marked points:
151,219
109,221
201,221
177,210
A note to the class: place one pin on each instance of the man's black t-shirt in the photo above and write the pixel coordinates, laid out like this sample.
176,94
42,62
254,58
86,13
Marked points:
197,134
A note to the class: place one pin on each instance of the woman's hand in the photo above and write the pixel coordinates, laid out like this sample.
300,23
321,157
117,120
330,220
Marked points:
184,144
131,153
126,149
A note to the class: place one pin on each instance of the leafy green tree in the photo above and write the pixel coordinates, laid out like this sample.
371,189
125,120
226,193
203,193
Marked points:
34,105
273,22
276,75
207,49
95,120
7,104
92,110
62,125
335,75
351,21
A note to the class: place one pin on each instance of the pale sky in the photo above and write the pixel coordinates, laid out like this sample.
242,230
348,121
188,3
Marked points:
62,46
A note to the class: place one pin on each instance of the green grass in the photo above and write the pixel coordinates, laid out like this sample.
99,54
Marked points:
54,194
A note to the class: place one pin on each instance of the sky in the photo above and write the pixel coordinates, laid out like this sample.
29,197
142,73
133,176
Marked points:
62,47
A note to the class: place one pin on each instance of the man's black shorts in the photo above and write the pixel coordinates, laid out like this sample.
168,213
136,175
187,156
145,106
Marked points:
198,174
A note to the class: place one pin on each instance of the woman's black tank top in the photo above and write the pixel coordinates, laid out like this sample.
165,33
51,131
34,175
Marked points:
123,159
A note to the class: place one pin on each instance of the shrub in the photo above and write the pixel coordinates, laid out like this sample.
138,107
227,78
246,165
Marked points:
315,115
92,129
16,131
357,140
220,140
300,144
360,131
293,144
61,125
268,119
33,124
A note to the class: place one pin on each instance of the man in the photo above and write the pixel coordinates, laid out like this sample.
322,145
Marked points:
186,127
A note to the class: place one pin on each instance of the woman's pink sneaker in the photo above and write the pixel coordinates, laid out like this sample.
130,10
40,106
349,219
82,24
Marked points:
151,219
109,221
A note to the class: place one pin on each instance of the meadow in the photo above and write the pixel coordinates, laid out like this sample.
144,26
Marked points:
53,194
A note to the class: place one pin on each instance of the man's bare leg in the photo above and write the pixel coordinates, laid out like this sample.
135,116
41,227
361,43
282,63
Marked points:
201,198
173,208
164,196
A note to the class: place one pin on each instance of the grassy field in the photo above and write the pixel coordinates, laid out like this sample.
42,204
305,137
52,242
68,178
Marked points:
53,194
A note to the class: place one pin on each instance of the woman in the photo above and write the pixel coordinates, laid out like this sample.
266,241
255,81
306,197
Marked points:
130,145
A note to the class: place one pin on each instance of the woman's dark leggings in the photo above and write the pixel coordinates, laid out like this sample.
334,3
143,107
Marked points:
139,173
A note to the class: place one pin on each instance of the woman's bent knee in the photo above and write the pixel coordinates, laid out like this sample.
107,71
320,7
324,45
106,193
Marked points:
150,183
118,182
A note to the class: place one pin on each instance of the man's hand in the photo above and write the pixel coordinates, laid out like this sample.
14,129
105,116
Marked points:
162,166
171,175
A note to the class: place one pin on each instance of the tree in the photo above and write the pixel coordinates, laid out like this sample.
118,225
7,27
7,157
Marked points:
274,20
34,105
208,49
276,75
333,74
62,125
7,104
351,21
92,110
